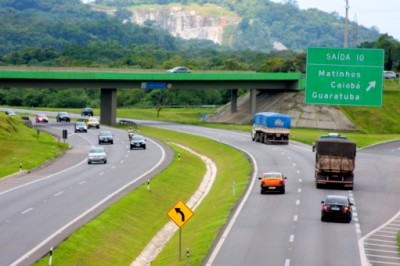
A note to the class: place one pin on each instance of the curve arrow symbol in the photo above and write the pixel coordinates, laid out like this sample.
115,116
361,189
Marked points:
372,84
178,210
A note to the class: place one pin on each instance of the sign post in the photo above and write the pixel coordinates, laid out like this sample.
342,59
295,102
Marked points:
180,214
341,76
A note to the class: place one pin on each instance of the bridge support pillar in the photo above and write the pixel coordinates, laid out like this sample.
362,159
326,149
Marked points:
234,93
108,106
253,98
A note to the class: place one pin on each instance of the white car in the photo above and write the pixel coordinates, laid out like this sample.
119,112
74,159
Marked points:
179,69
389,74
80,127
97,154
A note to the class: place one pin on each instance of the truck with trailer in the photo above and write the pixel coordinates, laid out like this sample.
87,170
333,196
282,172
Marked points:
335,157
270,128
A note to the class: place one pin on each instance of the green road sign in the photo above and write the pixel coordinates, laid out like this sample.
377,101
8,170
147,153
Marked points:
342,76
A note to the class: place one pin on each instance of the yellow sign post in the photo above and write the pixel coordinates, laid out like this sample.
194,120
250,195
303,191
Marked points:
180,214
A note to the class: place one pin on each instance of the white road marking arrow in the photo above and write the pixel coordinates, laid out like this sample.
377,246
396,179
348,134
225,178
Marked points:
372,84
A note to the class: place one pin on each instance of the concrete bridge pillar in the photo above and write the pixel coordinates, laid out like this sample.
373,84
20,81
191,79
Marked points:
234,95
253,98
108,106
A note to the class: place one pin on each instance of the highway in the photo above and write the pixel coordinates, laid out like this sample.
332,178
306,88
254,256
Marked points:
286,229
66,194
271,229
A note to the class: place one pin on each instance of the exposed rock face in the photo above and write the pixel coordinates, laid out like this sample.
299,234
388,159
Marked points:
185,23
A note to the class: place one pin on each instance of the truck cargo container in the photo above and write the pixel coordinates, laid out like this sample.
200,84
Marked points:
334,161
270,127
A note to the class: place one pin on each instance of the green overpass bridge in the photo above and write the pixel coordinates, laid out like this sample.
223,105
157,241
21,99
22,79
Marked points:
109,80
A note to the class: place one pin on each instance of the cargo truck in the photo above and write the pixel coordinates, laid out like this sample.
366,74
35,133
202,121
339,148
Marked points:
334,161
270,127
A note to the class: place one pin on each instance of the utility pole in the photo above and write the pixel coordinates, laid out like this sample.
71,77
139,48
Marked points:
345,24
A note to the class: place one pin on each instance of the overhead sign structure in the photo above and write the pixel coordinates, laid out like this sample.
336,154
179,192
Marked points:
180,213
343,76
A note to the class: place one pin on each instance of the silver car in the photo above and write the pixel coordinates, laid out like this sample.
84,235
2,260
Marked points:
80,127
97,154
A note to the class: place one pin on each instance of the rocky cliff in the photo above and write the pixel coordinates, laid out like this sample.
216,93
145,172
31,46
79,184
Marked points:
185,22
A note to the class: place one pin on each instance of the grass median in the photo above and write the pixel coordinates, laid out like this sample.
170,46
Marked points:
118,235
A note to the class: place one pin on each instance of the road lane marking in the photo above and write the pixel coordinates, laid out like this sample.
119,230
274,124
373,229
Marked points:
295,218
287,262
82,182
27,210
297,202
58,194
291,239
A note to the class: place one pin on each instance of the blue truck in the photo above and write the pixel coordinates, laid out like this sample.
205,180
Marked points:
271,127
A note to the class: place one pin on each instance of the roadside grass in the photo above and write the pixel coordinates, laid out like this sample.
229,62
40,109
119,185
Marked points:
118,235
20,144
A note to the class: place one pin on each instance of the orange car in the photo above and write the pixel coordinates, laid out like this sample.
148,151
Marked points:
272,181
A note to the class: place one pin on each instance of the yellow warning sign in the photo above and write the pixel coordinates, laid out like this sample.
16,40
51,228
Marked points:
180,213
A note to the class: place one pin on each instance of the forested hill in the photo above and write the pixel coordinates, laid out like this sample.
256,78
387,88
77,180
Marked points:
59,23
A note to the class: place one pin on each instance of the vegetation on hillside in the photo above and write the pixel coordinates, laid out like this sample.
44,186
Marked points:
25,147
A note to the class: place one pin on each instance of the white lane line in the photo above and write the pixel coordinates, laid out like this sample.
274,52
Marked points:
27,210
82,182
295,218
287,262
300,180
112,167
291,239
81,216
299,190
101,173
58,194
297,202
122,161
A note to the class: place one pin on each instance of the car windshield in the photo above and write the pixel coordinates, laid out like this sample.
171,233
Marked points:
336,200
63,114
138,138
105,133
96,150
272,175
81,124
41,115
93,119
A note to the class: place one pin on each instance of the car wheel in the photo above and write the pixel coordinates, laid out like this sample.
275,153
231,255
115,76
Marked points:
261,191
283,191
105,161
76,131
144,147
99,142
112,142
98,127
322,218
88,162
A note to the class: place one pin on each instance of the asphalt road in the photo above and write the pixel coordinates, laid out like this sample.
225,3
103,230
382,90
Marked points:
67,193
286,229
265,229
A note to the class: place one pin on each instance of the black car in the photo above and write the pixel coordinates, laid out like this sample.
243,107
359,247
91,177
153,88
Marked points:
106,137
63,117
336,206
87,112
138,141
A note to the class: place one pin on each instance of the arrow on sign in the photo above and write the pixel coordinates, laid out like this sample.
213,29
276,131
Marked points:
178,210
371,85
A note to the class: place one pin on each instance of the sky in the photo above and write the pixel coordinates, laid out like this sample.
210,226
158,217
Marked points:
383,14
